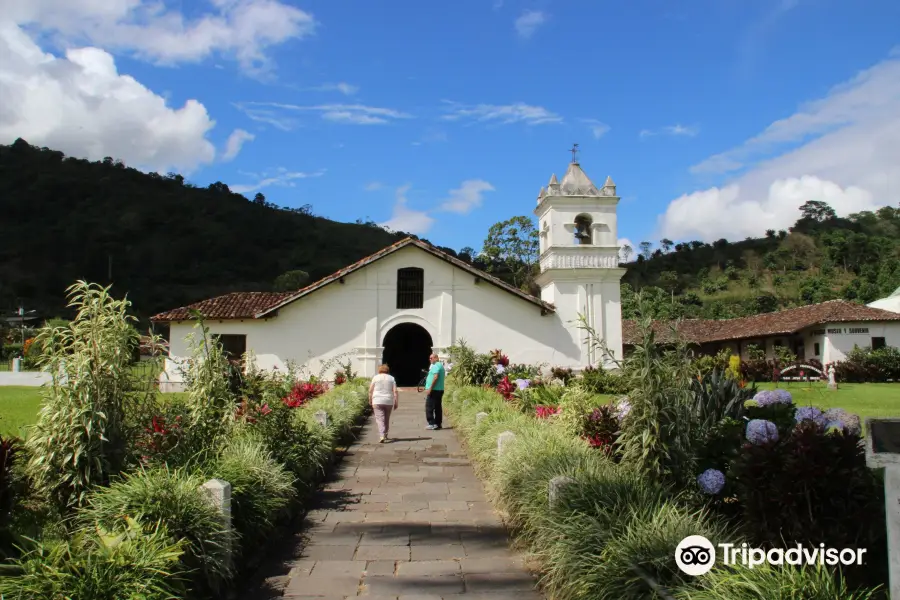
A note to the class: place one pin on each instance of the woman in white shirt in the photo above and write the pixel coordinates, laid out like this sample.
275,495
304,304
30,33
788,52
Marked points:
383,398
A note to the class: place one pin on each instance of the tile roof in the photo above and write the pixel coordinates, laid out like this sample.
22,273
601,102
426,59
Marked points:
783,322
236,305
254,305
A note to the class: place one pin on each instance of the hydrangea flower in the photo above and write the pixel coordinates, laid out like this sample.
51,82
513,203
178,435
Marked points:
844,420
811,413
623,408
711,481
522,383
499,368
772,397
760,431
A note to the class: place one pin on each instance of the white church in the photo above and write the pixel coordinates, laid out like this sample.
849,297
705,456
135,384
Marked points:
409,299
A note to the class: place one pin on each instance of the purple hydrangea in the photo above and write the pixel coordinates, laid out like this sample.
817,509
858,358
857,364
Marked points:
499,368
772,397
522,383
711,481
811,413
840,418
760,431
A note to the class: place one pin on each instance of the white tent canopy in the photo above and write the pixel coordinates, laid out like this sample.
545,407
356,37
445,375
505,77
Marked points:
891,303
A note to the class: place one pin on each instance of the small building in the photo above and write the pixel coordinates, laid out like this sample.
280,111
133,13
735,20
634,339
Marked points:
826,332
410,299
891,303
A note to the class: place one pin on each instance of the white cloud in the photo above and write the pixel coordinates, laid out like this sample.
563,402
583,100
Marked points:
405,219
598,129
503,114
278,177
467,196
355,114
82,106
240,29
673,130
373,186
344,88
842,149
431,136
235,142
528,22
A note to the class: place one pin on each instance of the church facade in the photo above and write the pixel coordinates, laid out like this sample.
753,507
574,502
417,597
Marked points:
410,299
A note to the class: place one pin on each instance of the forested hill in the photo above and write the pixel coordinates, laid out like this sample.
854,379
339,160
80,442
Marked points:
166,242
822,257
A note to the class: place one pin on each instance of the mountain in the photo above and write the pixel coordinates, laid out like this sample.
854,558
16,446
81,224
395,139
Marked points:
160,240
822,257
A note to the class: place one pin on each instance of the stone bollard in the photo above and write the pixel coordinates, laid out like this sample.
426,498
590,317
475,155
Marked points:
17,365
558,487
322,418
341,402
455,395
503,440
479,417
218,493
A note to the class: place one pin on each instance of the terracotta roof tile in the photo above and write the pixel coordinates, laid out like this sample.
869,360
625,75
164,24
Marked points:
783,322
248,305
237,305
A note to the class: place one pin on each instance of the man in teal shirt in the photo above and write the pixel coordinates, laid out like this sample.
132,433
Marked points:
434,393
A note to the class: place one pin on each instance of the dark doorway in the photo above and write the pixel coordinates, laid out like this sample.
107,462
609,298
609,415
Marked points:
406,350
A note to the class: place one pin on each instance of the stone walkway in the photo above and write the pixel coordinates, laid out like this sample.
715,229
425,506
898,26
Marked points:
407,519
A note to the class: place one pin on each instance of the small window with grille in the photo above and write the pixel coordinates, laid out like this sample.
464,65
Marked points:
410,287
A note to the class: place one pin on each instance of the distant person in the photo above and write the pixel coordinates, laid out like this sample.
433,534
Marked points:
384,399
434,393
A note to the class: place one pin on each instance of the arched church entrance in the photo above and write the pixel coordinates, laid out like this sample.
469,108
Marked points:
407,347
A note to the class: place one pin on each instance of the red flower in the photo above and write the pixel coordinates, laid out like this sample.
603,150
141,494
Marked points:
545,412
303,392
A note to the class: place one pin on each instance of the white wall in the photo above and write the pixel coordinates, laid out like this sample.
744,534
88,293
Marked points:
355,316
841,337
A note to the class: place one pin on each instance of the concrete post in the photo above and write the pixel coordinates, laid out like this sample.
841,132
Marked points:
479,417
218,493
322,418
17,365
557,487
341,402
503,440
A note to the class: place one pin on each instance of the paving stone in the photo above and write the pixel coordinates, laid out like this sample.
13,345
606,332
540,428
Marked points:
503,582
317,553
385,539
471,566
338,568
418,587
380,567
423,568
437,552
323,586
382,553
448,505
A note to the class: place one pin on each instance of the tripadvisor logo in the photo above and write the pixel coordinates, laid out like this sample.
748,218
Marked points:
696,555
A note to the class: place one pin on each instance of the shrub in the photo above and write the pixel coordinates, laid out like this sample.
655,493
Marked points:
601,428
81,436
174,499
469,367
99,565
717,396
601,381
564,374
810,486
867,365
766,582
302,449
261,488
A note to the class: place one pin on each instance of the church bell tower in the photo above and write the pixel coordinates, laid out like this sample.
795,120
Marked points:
579,258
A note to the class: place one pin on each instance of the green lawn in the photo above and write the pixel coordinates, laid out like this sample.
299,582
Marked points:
863,399
19,407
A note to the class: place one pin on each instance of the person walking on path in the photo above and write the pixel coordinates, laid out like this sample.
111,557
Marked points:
434,393
383,398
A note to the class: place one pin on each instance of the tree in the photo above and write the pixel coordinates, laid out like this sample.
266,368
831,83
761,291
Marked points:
467,254
816,210
666,244
668,280
513,245
645,249
770,233
290,281
626,252
259,199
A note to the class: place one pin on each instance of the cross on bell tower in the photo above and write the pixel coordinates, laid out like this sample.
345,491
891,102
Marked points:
574,152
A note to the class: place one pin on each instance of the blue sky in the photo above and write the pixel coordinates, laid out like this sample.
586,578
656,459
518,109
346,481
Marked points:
715,118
